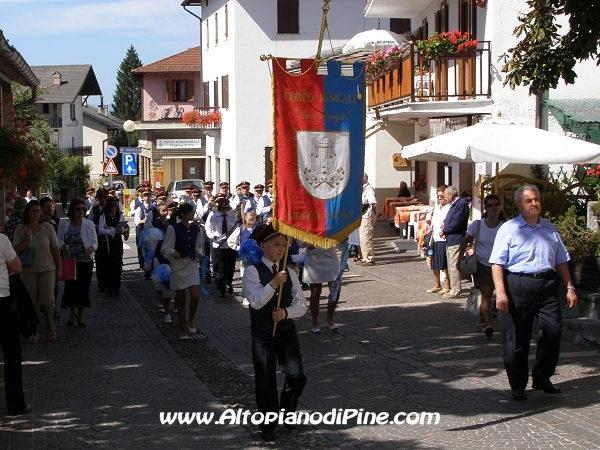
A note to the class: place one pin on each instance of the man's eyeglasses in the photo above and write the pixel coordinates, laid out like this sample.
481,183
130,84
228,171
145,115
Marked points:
102,198
492,205
80,209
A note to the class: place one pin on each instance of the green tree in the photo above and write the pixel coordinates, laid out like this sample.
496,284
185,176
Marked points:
544,55
127,99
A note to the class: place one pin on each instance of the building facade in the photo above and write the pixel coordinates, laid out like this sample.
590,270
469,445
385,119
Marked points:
171,150
234,34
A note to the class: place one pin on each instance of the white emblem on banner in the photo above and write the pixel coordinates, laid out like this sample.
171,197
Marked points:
323,162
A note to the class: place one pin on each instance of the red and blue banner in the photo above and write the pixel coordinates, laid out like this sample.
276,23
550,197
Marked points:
318,158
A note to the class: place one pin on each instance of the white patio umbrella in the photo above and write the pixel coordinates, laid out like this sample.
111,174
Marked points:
503,141
372,40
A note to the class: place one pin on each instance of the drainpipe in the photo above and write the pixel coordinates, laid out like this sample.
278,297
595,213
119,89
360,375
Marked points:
184,5
23,73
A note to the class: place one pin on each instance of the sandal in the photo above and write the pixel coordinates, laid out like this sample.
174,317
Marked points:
356,260
51,335
434,290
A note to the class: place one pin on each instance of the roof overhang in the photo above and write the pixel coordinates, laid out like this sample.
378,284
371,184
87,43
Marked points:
426,110
395,8
13,67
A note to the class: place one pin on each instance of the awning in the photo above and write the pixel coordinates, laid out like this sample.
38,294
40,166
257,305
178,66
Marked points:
582,110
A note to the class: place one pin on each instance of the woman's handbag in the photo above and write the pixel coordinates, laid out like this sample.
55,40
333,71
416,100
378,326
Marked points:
26,257
69,269
468,264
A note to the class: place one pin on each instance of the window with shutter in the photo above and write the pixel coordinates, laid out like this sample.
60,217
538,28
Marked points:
170,90
225,91
216,93
190,90
288,17
216,29
206,94
226,22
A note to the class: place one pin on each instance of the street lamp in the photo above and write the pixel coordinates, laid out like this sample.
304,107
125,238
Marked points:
129,127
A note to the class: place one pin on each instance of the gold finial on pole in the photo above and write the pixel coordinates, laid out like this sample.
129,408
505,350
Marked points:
323,28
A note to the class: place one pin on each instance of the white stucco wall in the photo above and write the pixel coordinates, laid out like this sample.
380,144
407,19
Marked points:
94,133
247,124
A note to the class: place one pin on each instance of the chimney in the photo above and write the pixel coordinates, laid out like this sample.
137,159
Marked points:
56,79
102,109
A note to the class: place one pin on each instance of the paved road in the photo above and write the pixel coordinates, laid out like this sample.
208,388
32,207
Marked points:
399,349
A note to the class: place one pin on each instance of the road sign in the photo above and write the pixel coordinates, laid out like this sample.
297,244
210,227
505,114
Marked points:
130,163
110,168
111,151
130,149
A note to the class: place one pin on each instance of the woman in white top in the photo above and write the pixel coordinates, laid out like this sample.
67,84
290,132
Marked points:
439,263
488,226
77,238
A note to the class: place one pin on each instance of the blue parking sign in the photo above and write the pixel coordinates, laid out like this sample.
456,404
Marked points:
130,163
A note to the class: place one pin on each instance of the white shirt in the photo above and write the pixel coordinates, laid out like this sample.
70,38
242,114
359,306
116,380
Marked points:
141,214
368,196
259,295
7,253
248,203
214,227
437,219
109,231
485,241
261,208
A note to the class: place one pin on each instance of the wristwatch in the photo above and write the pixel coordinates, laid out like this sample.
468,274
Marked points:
570,288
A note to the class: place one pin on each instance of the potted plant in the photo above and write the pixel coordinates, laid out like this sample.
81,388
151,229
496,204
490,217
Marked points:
446,43
420,184
583,245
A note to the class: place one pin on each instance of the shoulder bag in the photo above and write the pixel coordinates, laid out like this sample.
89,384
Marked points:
69,269
468,264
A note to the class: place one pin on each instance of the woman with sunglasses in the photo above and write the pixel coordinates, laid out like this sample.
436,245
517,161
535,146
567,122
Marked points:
43,268
439,262
483,232
77,238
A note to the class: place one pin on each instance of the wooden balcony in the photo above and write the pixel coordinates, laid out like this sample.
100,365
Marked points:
459,76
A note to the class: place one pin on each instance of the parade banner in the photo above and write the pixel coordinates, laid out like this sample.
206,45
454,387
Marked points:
318,159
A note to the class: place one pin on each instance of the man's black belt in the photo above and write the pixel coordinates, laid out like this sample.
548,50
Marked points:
546,274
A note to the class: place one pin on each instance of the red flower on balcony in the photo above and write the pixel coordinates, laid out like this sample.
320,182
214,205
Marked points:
446,43
190,118
197,118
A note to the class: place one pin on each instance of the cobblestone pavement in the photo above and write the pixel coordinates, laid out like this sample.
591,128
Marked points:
398,349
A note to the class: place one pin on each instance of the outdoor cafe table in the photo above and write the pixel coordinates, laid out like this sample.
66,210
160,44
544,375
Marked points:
390,204
403,213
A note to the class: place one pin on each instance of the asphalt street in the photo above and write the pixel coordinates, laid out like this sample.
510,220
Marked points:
398,349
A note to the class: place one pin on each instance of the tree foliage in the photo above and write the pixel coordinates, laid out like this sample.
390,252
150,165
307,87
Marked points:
46,166
544,53
127,99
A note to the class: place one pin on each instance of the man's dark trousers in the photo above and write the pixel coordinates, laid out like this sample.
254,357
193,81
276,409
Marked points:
529,298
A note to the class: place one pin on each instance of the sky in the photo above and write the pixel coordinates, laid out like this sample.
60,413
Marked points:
97,32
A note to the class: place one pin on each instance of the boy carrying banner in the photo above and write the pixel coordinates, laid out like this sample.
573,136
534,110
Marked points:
261,283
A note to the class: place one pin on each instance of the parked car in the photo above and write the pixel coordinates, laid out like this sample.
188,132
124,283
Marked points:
175,188
119,186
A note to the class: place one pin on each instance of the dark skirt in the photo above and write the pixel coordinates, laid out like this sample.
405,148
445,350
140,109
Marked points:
78,291
438,259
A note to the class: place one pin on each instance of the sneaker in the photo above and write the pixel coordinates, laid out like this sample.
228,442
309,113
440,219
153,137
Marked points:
167,318
183,337
245,302
489,331
230,290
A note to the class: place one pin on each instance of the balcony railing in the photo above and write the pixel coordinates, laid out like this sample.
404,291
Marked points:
77,151
459,76
209,118
55,122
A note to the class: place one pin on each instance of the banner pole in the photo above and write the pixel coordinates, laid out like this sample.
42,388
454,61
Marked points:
285,258
323,27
